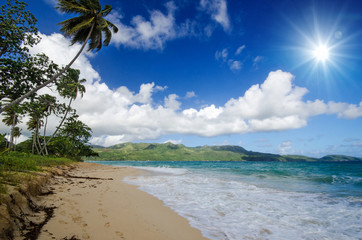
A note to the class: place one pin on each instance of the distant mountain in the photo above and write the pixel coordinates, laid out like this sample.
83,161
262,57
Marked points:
340,158
179,152
96,146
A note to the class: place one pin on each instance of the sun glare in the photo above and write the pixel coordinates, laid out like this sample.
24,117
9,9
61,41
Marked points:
321,53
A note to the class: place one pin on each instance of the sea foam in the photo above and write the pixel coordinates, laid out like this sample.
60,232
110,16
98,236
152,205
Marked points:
226,208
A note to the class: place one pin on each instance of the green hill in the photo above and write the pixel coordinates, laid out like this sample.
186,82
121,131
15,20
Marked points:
179,152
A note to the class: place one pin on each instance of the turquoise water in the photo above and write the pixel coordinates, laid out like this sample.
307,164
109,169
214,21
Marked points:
259,200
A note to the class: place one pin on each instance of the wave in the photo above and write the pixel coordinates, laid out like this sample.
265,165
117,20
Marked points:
165,170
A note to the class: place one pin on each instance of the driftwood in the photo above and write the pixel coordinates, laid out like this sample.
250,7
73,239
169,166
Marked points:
88,178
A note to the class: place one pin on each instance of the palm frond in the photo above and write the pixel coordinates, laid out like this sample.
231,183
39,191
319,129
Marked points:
85,24
74,24
106,10
108,36
80,27
80,36
112,26
95,40
72,6
92,4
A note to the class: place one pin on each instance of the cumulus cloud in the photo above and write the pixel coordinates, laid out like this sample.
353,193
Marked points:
190,94
171,102
146,34
120,115
218,11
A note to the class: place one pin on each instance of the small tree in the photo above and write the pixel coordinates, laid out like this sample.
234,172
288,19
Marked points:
38,109
72,139
17,30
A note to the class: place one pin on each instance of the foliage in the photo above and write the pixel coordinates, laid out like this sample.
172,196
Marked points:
17,29
178,152
164,152
20,76
72,139
16,161
340,158
3,143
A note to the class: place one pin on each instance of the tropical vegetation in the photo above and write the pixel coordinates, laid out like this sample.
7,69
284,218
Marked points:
23,74
179,152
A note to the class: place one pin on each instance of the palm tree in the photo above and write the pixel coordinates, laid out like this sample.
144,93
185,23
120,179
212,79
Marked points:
17,133
90,26
69,87
12,118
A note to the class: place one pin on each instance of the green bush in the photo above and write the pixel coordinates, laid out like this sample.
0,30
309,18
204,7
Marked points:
17,161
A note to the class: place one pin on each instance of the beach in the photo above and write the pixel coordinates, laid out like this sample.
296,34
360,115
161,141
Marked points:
187,200
92,202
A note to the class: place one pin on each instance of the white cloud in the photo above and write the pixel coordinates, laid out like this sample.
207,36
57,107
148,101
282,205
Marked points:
345,110
234,64
58,49
218,11
222,55
256,60
285,147
190,94
146,34
119,115
150,33
173,141
240,49
52,2
171,102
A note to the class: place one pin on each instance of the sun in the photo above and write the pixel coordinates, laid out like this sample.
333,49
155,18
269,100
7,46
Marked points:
321,53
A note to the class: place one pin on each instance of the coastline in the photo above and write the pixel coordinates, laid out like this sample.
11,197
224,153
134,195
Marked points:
92,202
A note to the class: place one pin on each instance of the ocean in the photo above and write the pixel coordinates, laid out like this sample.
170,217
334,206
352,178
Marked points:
259,200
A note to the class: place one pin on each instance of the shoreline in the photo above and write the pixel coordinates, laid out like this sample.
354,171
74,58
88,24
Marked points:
92,202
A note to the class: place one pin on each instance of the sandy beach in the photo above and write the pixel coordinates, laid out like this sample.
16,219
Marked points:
92,202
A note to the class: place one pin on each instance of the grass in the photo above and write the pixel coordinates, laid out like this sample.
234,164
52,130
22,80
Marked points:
17,167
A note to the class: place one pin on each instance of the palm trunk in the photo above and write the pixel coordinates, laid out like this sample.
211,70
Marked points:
44,148
11,141
28,94
35,139
33,145
38,144
60,124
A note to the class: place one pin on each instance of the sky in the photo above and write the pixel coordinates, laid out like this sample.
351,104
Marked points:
277,76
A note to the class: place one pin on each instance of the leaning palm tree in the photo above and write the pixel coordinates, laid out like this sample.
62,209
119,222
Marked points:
69,87
90,26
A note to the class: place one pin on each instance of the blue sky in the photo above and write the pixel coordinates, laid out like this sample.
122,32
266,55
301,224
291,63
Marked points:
212,72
